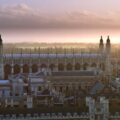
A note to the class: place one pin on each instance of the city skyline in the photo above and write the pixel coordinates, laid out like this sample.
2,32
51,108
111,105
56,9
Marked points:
60,59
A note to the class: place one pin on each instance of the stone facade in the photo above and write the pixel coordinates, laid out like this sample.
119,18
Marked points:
31,63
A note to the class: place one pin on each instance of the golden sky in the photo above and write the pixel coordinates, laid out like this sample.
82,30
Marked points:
59,20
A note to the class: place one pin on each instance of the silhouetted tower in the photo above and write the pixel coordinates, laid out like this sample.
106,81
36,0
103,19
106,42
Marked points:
101,45
108,59
1,59
108,46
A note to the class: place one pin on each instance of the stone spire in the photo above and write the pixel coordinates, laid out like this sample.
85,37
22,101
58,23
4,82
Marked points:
108,39
108,60
108,45
101,45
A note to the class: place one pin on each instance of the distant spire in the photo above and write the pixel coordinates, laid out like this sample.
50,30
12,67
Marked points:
30,52
48,54
39,51
108,39
101,45
108,45
73,51
101,39
12,53
21,52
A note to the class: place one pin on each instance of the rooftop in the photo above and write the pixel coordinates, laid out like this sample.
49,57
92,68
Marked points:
74,73
4,82
85,55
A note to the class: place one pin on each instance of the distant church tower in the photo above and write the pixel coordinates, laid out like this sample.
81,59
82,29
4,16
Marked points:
1,59
101,45
108,46
108,59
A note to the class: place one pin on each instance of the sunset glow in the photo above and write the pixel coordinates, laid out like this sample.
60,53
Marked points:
59,21
57,36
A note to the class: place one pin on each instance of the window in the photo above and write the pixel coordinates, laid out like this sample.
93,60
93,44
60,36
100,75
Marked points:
39,88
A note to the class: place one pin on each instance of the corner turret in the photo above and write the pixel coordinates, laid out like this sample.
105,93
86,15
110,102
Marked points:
101,45
108,45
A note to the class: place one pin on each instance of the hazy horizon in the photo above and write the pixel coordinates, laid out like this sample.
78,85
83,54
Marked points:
59,36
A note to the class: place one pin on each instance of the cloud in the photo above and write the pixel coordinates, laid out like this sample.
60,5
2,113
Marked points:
24,17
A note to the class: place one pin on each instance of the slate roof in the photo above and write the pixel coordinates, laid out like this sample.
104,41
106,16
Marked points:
39,74
18,76
78,55
73,73
4,82
97,87
115,84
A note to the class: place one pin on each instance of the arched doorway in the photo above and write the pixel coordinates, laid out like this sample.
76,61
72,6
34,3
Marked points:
69,67
77,66
93,65
52,66
7,71
60,67
25,68
85,66
102,66
16,69
34,68
43,66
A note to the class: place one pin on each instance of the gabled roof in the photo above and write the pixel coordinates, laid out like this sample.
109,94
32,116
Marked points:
116,83
98,86
39,74
78,55
18,76
73,73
